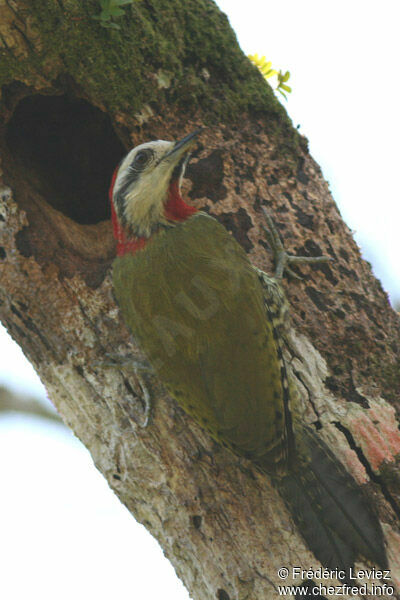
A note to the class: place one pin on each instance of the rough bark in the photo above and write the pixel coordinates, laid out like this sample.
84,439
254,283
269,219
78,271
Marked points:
75,96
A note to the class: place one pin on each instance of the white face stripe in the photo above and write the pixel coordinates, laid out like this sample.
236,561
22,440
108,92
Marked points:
144,199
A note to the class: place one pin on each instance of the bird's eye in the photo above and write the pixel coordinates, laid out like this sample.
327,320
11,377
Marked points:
142,158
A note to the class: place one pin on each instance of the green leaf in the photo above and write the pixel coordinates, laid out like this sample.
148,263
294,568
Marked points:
122,2
110,25
104,4
116,12
287,88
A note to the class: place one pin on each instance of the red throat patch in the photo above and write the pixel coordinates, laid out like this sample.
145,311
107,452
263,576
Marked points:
176,209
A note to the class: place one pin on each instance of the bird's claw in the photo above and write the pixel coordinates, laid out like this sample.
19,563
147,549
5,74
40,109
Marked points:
116,361
146,399
141,368
281,258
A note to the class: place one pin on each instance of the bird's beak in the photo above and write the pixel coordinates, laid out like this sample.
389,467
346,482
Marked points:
182,146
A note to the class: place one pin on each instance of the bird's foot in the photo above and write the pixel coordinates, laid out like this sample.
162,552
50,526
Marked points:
141,369
147,404
124,361
281,258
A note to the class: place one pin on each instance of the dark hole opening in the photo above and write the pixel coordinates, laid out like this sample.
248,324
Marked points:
67,150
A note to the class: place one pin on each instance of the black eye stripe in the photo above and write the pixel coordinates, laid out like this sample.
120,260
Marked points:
133,173
131,176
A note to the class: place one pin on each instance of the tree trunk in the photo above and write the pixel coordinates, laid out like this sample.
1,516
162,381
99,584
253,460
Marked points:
75,97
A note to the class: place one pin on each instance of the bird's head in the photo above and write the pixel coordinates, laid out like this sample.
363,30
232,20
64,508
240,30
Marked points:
145,192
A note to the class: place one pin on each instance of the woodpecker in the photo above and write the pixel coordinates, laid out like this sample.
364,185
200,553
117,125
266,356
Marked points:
211,325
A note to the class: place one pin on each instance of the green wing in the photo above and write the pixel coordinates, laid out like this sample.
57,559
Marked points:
196,306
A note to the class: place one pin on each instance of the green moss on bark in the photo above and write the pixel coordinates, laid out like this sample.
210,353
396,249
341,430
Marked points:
191,43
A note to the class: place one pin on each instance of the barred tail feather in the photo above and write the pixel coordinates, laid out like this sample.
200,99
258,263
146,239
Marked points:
329,508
